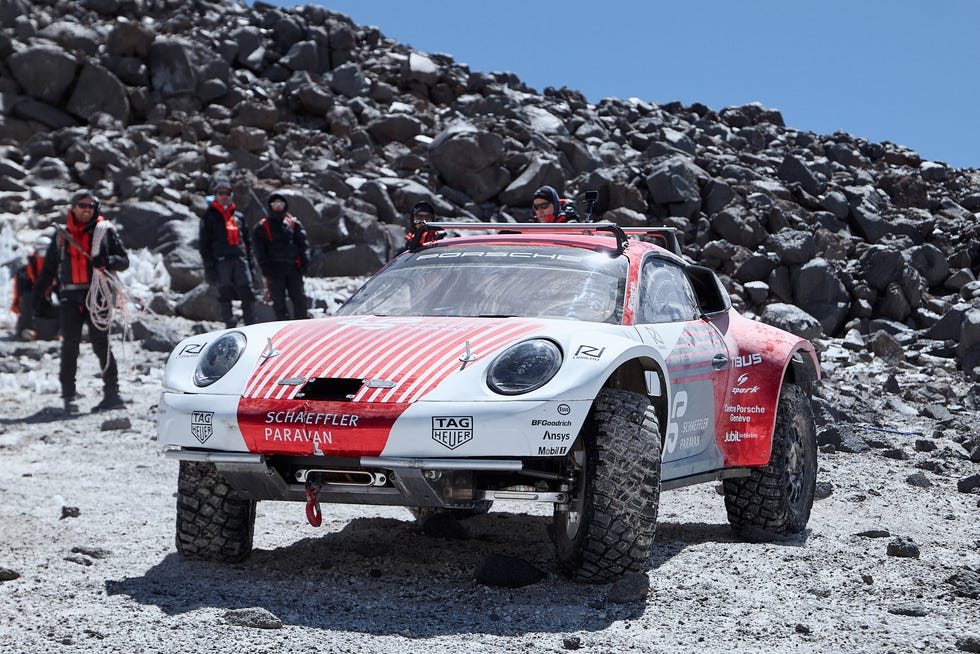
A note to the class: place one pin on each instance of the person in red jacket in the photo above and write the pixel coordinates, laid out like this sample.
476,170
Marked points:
550,208
23,300
87,242
226,252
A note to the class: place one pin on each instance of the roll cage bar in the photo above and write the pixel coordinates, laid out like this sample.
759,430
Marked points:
666,236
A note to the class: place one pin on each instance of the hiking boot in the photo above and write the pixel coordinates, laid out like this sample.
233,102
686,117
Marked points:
71,408
109,402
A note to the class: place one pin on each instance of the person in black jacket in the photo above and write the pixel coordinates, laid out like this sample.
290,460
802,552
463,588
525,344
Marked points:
87,242
282,251
226,254
422,213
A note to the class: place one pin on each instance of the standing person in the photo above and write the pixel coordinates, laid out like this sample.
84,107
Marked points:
23,300
422,213
550,208
87,243
282,251
227,256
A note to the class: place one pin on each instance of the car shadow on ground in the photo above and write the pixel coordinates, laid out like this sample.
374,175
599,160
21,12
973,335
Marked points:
384,576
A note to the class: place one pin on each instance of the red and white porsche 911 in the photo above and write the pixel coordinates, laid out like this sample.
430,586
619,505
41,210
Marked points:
582,365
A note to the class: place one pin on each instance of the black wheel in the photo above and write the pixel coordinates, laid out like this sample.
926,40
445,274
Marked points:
615,465
214,521
775,500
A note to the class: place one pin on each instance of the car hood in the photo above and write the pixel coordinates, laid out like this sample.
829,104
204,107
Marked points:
399,359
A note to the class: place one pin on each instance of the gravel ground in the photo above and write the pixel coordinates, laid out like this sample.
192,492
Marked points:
87,533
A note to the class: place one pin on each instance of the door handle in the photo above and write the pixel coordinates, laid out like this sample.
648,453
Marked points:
719,362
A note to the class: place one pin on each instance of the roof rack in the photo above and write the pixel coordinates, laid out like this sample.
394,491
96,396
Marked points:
666,237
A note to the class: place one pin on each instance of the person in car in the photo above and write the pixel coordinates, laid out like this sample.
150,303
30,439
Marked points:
550,208
422,213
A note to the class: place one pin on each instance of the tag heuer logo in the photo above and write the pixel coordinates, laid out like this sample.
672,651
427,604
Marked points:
201,425
452,431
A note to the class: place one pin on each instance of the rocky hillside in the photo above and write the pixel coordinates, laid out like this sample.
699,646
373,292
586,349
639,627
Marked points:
144,101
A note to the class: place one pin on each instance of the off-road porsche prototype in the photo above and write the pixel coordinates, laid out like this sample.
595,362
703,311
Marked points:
587,366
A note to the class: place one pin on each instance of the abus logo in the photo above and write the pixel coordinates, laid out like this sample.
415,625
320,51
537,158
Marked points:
452,431
747,360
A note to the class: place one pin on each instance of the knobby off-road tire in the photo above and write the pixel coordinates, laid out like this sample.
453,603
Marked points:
775,501
615,461
214,521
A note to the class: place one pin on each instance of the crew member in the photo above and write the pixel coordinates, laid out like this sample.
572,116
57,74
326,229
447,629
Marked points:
88,242
224,245
282,251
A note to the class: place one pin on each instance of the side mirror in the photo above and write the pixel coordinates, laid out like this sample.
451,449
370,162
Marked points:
711,294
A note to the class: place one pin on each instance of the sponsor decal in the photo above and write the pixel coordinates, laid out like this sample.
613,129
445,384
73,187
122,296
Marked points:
192,350
673,429
738,437
452,431
589,352
500,255
552,451
551,423
564,409
740,388
297,435
745,360
311,418
202,425
556,436
740,413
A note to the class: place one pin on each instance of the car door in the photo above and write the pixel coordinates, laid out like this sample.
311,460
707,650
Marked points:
668,317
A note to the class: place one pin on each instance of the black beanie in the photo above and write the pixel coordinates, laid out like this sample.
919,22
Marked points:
277,196
549,194
423,206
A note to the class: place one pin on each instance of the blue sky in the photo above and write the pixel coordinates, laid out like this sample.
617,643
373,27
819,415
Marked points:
904,71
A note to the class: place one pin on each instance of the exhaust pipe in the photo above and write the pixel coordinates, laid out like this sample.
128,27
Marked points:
328,477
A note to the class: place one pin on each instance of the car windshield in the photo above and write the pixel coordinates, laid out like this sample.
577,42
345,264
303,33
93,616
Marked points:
497,280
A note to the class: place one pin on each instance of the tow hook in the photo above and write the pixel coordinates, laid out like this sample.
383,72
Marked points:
313,514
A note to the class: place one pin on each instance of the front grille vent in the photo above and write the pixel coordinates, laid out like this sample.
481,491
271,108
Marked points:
330,389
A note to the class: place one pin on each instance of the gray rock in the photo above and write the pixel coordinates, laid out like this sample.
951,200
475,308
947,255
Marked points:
795,170
903,548
130,39
349,80
98,90
346,261
254,618
469,159
45,73
819,290
539,172
969,484
121,422
401,128
631,587
792,319
919,480
738,226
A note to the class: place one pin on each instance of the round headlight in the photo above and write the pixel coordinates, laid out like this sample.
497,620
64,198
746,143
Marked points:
219,358
524,367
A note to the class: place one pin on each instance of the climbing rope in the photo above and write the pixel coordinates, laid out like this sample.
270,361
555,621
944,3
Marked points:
106,295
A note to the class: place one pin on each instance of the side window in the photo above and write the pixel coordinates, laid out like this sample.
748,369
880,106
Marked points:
665,293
